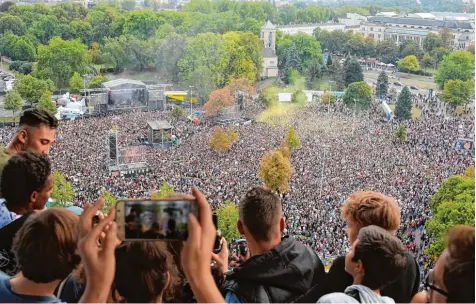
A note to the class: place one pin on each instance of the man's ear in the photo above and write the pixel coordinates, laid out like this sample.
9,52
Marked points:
359,268
33,197
22,136
282,224
240,227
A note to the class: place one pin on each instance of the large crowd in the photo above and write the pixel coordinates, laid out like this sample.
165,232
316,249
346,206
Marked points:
339,154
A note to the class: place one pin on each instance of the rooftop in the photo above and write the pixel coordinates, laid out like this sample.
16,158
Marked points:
309,25
423,22
401,31
159,125
121,81
268,26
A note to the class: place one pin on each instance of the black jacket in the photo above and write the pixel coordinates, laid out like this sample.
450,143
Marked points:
290,272
401,291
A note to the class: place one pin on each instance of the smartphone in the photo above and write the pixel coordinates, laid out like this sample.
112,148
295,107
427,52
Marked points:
152,220
217,245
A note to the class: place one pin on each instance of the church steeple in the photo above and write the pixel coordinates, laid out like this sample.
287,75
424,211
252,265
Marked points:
268,35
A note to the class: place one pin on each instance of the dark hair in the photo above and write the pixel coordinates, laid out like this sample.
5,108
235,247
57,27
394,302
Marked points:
383,256
458,275
24,173
45,246
38,117
141,271
260,209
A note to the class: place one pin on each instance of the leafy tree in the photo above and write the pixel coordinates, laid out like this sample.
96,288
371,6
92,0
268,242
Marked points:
448,215
293,76
110,201
457,188
446,37
268,97
458,92
165,190
242,85
177,112
76,83
46,103
227,220
298,97
410,47
12,23
276,170
431,42
222,140
458,65
401,133
142,24
403,108
63,191
314,72
13,101
292,139
30,88
217,101
438,54
18,48
470,48
409,63
45,28
60,59
387,51
382,85
327,97
427,61
102,20
358,95
353,72
97,81
170,52
343,10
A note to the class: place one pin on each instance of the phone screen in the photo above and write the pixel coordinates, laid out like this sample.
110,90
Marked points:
155,219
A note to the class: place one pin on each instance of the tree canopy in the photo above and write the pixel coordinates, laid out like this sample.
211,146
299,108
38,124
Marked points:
403,108
292,139
458,92
276,170
222,140
358,95
165,190
353,72
227,220
458,65
13,101
409,63
381,89
46,103
63,191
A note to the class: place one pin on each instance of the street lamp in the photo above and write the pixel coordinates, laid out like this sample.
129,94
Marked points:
191,98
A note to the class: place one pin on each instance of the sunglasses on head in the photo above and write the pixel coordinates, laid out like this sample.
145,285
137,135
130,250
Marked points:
430,284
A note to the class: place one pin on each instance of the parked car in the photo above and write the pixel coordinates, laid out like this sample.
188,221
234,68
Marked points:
413,88
397,83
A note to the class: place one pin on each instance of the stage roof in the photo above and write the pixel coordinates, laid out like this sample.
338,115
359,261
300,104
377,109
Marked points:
159,125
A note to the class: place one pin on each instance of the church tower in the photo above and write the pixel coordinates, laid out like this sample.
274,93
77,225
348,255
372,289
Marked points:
268,35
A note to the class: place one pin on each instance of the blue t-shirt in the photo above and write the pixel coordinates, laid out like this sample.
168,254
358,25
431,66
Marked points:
230,297
7,295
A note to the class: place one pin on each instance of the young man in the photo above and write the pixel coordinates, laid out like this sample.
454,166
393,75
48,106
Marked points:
36,132
48,247
452,280
371,208
376,259
280,269
28,184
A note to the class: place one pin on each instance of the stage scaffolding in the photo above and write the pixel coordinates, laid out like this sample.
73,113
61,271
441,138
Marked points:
125,161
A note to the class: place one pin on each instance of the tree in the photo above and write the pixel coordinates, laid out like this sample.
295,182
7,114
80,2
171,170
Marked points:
165,190
458,92
110,201
228,217
222,140
403,108
17,48
170,52
410,47
392,95
409,63
177,112
13,24
13,101
218,100
328,97
60,59
292,76
427,61
243,85
276,170
337,74
298,97
142,24
401,133
446,37
431,42
353,72
314,72
268,97
97,81
63,191
358,95
387,51
438,54
292,139
470,48
457,188
31,89
46,103
76,83
382,85
45,28
458,65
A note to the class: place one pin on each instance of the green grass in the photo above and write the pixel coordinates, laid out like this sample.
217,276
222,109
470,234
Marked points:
416,113
291,88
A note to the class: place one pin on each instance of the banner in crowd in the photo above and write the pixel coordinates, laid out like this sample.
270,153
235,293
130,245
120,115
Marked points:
463,144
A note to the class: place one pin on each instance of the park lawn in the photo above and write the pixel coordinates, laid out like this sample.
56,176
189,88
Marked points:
9,119
416,113
299,85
